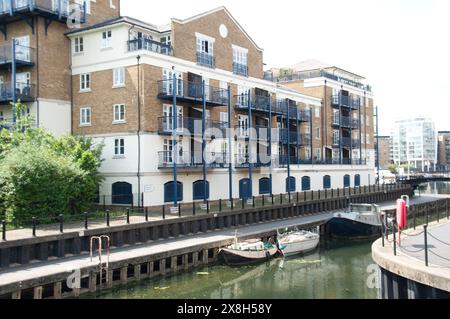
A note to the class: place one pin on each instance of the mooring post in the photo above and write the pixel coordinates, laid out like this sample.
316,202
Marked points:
86,226
61,223
107,218
33,221
425,235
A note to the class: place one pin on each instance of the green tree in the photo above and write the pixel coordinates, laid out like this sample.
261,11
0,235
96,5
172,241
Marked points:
393,168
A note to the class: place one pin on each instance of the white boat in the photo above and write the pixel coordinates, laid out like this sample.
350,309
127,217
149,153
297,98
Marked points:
248,252
293,241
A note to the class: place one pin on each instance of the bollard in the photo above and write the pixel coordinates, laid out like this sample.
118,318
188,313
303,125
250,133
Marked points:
338,192
128,216
164,211
61,223
273,201
179,210
253,201
4,230
146,214
33,221
263,200
326,194
289,195
304,196
319,194
107,218
425,235
332,193
193,208
86,226
312,195
242,204
220,205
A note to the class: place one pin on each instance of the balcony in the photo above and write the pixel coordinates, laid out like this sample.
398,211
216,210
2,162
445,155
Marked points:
244,161
259,103
23,55
13,10
191,160
24,92
350,102
191,126
149,45
192,92
345,122
206,59
240,69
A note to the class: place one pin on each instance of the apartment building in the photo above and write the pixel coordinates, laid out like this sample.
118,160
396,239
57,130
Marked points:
344,126
415,143
443,151
164,99
383,154
35,56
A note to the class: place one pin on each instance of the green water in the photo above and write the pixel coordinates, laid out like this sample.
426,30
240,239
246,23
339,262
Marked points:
335,270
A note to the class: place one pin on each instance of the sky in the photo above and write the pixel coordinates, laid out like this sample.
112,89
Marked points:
402,47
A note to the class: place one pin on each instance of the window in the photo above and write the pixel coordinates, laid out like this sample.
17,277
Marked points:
205,44
224,119
318,154
118,77
119,113
318,133
85,82
78,45
88,4
106,39
167,42
306,183
119,147
240,60
308,153
85,116
317,111
327,182
362,120
336,137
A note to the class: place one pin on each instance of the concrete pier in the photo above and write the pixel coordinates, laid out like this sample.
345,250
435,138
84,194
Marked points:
406,275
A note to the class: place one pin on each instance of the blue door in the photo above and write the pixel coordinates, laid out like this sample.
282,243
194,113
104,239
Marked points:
357,180
290,184
346,181
327,182
306,183
264,186
168,192
245,189
122,193
199,190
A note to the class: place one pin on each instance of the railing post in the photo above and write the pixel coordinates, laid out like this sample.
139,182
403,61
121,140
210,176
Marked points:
242,204
86,225
128,216
281,199
220,205
193,208
263,200
179,210
4,230
104,202
207,207
304,196
253,201
33,221
61,223
107,218
298,197
273,200
395,239
146,214
164,211
414,217
425,235
289,196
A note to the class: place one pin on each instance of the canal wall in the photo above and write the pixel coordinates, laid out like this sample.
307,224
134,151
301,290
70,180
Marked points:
16,253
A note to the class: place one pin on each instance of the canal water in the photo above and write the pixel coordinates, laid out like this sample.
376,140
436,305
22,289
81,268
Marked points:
337,270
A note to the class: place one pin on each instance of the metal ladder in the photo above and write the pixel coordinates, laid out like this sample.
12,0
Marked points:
103,266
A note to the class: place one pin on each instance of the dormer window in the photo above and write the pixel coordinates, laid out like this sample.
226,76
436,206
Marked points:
106,39
205,50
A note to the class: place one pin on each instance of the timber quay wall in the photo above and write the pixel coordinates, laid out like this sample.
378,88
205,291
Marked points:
17,253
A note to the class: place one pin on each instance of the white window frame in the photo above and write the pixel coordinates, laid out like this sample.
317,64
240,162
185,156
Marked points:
85,82
121,113
240,55
84,112
318,154
317,111
205,44
336,137
119,147
106,39
88,5
118,77
78,45
318,133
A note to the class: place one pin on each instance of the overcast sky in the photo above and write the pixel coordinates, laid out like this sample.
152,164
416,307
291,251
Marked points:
402,47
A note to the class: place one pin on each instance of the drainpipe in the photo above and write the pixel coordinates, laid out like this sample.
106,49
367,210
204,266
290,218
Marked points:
230,159
340,126
378,150
139,129
360,131
13,80
204,141
288,145
250,164
311,135
174,140
298,135
270,142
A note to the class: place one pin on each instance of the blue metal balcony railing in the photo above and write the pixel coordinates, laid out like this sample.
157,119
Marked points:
55,9
191,160
192,92
191,126
24,55
149,45
24,92
206,59
240,69
352,102
345,122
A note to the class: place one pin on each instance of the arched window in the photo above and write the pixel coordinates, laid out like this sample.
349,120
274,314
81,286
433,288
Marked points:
198,189
290,184
169,192
327,182
357,180
306,183
346,181
264,186
122,193
245,189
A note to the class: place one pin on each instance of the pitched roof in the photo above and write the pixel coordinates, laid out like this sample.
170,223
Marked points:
204,14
